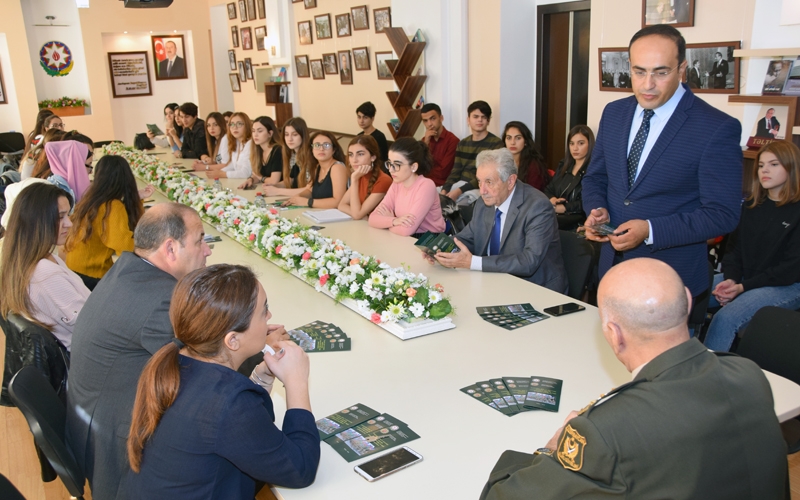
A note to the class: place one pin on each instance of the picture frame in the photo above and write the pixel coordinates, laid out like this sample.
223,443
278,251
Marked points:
360,18
262,9
678,13
243,10
232,59
296,1
3,96
329,64
777,76
780,124
615,69
343,25
247,38
248,68
383,18
361,58
252,15
310,4
242,71
317,73
384,73
725,81
235,36
130,75
304,32
301,63
323,26
345,67
232,10
260,32
235,84
166,48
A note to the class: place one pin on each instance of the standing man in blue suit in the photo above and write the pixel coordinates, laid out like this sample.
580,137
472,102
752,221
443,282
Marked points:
666,168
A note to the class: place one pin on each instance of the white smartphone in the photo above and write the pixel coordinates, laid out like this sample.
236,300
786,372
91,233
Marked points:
388,463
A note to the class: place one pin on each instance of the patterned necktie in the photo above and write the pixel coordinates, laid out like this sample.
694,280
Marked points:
494,240
638,146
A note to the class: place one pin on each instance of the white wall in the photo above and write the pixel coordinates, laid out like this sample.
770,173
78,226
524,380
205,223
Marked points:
220,39
9,113
517,63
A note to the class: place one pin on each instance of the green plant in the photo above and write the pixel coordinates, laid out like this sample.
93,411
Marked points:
64,102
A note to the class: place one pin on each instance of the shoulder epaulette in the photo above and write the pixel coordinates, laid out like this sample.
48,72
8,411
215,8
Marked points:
604,397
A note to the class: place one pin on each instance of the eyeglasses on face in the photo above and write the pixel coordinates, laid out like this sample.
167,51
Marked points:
659,75
394,167
236,124
322,145
57,125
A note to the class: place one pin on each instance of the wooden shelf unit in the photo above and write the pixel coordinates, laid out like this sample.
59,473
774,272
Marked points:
410,85
283,110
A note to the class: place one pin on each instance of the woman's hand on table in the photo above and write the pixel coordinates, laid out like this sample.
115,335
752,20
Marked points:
147,191
297,201
247,183
404,220
199,165
177,154
214,174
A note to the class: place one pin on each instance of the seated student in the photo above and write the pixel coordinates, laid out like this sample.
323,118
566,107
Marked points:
564,190
38,130
330,174
368,183
265,154
104,220
240,131
74,135
461,185
200,429
165,141
411,205
194,133
36,156
761,265
440,141
53,121
227,116
175,135
216,144
531,168
66,167
366,115
36,283
296,157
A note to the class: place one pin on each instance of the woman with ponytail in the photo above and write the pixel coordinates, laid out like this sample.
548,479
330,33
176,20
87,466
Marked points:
202,430
368,182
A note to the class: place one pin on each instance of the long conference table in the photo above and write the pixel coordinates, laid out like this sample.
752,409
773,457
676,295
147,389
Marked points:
418,380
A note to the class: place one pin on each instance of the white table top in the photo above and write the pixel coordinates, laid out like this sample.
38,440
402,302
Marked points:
418,380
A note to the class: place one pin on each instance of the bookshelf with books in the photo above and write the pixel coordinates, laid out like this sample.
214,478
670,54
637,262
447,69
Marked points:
409,85
277,96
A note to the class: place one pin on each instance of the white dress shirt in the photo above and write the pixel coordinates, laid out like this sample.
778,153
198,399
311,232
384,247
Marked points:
477,262
239,166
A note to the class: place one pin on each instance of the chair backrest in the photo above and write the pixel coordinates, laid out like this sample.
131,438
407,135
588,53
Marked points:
578,255
12,142
772,340
47,419
100,144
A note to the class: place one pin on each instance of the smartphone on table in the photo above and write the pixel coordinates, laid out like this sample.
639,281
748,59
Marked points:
388,463
568,308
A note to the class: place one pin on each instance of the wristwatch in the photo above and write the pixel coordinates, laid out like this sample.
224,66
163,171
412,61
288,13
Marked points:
206,166
311,202
544,451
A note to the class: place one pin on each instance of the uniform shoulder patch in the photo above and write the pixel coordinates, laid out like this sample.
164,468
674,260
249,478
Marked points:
570,449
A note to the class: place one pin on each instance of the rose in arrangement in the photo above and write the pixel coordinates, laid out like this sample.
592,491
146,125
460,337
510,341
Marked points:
64,102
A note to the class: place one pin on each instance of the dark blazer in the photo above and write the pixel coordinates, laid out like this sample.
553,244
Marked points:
693,77
690,187
123,323
194,140
763,131
720,69
178,68
529,246
710,417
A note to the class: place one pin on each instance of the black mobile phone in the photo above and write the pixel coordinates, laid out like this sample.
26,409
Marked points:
251,186
569,307
388,463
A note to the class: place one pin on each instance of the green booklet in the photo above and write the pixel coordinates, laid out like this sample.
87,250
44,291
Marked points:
544,393
370,437
511,316
344,419
498,398
430,243
152,127
477,393
318,336
518,387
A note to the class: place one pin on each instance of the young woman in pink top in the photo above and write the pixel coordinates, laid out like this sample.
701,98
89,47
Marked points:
412,204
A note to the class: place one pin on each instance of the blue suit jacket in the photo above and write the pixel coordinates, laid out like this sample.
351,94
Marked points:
689,188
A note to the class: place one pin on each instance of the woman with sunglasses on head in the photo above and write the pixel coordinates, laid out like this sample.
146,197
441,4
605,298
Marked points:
216,143
240,131
368,182
265,154
565,188
165,141
329,176
411,205
297,158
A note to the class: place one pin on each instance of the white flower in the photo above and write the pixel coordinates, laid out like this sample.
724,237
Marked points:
354,288
363,305
434,296
417,309
376,279
396,310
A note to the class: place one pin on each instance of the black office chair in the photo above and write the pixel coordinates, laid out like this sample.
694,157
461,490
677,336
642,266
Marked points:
12,145
47,419
772,340
100,144
698,314
8,491
579,258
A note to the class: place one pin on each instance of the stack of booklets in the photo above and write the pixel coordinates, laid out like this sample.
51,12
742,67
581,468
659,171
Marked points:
512,395
430,243
323,216
318,336
511,316
360,431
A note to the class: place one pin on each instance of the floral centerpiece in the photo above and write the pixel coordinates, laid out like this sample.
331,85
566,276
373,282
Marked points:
65,106
381,293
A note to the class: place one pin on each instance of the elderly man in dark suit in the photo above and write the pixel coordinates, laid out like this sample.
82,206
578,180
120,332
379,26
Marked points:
513,229
691,424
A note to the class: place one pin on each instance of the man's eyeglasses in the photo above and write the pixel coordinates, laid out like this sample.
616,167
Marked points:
659,75
393,167
322,145
236,124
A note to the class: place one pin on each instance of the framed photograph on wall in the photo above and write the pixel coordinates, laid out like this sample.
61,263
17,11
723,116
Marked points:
345,67
130,75
360,19
323,24
330,64
248,68
384,73
772,123
678,13
243,10
316,69
383,19
232,59
235,36
247,38
615,69
304,32
3,96
252,15
260,33
168,56
302,66
343,25
242,72
235,85
232,10
711,67
310,4
361,58
262,9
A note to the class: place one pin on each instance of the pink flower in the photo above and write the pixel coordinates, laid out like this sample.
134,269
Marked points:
375,318
354,262
307,256
208,205
251,237
278,249
411,292
236,221
324,279
273,211
221,213
186,191
439,288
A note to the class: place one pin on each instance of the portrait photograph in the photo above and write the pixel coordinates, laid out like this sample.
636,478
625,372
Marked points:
360,19
771,123
361,58
247,38
302,66
262,9
304,32
243,10
251,10
330,64
323,24
232,10
711,67
242,72
235,36
235,86
678,13
310,4
777,73
316,69
248,68
260,33
169,57
384,73
232,59
343,25
615,70
383,19
345,67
